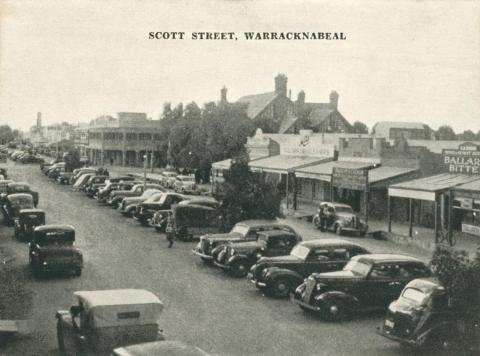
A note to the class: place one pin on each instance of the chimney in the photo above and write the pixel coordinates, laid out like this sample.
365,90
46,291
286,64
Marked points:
39,119
223,95
334,99
281,85
301,97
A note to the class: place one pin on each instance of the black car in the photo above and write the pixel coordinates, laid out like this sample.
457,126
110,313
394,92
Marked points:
247,230
103,193
238,257
22,187
144,211
115,197
52,250
278,276
367,282
28,220
13,204
93,183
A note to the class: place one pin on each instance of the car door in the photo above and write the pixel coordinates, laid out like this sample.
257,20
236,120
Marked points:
280,245
339,258
317,261
382,285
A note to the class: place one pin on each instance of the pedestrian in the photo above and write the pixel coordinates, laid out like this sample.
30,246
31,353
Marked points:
169,229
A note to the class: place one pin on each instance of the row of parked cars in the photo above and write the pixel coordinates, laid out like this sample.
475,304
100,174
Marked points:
333,278
25,157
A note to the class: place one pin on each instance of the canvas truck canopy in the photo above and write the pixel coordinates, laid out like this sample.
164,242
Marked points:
121,307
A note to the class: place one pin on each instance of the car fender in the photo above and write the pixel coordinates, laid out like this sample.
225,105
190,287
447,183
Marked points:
237,258
273,273
348,300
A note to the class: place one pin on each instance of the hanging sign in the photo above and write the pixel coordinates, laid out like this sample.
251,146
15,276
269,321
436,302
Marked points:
348,178
464,160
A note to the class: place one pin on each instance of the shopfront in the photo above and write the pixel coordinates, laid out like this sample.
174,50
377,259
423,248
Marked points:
466,208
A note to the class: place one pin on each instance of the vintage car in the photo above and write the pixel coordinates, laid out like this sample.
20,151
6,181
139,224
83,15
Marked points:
93,183
104,320
30,158
77,173
168,178
115,198
144,211
339,218
64,177
55,172
247,230
238,257
82,181
129,205
185,184
28,220
194,226
52,250
280,275
3,173
422,316
22,187
4,186
159,348
367,282
12,205
47,169
104,192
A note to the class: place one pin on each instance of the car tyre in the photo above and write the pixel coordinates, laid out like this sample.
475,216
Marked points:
280,288
239,269
332,311
316,222
338,230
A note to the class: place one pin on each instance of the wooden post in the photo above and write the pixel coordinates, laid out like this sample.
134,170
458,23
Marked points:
436,220
389,212
450,217
286,190
331,189
366,196
410,217
294,181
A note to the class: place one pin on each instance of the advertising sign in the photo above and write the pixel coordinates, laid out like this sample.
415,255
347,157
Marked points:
348,178
471,229
306,145
464,160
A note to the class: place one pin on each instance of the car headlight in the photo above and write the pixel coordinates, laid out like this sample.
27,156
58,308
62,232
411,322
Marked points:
232,252
45,263
264,272
318,287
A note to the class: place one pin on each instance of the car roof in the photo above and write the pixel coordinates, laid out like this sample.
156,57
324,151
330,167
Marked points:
269,233
13,184
329,242
170,348
51,227
30,211
386,257
426,285
19,196
261,222
116,297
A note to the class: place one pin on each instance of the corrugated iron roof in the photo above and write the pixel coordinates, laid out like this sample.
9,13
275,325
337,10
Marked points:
436,183
474,185
284,163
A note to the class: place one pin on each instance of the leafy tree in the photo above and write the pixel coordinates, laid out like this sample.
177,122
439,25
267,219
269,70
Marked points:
467,135
246,195
360,127
445,133
7,134
72,160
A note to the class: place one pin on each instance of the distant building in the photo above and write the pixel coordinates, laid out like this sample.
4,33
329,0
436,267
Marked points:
392,130
122,140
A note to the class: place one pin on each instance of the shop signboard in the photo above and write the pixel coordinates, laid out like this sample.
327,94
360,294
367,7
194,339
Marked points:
348,178
471,229
306,145
464,160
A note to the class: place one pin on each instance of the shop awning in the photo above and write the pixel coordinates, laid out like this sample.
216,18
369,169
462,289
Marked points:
385,174
285,163
324,171
222,165
427,188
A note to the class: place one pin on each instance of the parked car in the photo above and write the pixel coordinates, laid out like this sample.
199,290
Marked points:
238,257
12,204
422,316
82,181
104,193
93,184
3,173
77,173
104,320
64,177
4,186
278,276
185,184
168,178
22,187
201,221
367,282
144,211
30,158
28,220
159,348
247,230
116,197
52,250
339,218
48,168
54,173
129,205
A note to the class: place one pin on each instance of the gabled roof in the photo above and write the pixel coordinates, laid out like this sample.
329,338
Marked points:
257,103
318,112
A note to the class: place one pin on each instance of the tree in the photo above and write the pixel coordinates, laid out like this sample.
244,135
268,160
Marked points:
360,128
445,133
72,160
246,195
467,135
7,134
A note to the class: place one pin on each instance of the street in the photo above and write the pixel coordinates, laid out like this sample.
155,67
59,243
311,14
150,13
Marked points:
203,306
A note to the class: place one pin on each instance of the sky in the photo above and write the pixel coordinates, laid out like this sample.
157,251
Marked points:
402,60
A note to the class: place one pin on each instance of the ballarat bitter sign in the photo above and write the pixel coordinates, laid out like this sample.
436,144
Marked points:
464,160
348,178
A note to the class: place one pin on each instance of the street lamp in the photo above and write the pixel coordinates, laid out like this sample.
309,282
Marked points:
145,171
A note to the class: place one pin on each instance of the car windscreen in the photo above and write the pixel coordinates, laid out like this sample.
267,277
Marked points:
22,203
156,198
414,295
55,239
343,209
358,267
300,251
240,229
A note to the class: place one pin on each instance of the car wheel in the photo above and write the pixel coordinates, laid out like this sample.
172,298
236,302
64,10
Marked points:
332,311
338,230
280,288
239,269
